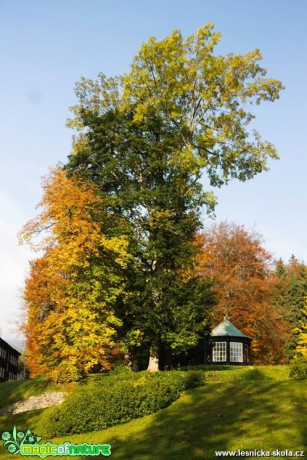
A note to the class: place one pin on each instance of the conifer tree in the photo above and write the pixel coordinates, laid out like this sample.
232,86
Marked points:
289,293
301,348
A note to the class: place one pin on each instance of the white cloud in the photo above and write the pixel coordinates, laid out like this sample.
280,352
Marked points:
14,262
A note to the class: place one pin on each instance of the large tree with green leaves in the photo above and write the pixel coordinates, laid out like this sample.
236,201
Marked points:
150,139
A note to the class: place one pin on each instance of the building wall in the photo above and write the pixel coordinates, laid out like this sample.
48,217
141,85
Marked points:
225,353
8,362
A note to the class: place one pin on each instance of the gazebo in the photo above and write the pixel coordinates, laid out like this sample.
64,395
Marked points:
228,345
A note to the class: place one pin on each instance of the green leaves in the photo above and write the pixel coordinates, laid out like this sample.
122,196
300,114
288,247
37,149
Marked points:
206,97
148,140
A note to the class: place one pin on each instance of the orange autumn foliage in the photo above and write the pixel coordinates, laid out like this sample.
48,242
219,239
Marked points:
241,272
72,286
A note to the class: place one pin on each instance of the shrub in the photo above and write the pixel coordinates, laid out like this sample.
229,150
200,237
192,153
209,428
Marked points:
67,372
117,399
194,379
298,368
120,369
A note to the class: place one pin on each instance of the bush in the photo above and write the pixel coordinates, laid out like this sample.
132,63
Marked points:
194,379
117,399
298,368
67,372
120,370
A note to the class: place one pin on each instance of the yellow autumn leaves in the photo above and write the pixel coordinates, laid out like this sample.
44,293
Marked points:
72,284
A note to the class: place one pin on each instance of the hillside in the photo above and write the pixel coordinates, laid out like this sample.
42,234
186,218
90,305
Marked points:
239,408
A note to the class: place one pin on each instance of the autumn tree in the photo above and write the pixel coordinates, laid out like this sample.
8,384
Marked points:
241,270
149,139
73,285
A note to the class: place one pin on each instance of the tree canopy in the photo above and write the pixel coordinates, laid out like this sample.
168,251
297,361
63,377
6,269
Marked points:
71,289
152,141
243,278
149,139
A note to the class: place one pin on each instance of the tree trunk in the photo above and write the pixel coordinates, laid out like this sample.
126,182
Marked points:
153,364
165,356
131,363
128,361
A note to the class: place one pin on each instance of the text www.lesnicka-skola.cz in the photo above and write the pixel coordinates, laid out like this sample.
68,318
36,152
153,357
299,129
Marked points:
259,453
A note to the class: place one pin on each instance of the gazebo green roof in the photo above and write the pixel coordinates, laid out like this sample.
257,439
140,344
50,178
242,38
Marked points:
226,328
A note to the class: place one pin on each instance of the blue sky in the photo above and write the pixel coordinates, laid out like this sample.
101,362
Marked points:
46,46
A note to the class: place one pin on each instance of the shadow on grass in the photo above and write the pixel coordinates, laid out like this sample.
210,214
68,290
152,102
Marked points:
13,391
220,417
211,367
254,374
252,413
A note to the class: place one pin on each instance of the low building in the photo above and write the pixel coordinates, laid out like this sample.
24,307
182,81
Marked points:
228,345
8,362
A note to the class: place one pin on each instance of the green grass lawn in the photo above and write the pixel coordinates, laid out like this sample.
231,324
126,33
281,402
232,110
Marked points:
239,408
13,391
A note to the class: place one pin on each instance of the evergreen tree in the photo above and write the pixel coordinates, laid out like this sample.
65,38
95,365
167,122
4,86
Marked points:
289,293
301,348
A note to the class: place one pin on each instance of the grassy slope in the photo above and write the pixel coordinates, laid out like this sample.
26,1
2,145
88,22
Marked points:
13,391
239,408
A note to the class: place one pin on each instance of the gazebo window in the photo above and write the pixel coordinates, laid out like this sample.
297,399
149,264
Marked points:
219,351
236,352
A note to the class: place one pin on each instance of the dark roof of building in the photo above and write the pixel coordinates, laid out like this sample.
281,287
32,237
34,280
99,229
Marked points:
8,347
226,328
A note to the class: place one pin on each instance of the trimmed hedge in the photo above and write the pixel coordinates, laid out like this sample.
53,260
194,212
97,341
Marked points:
117,399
